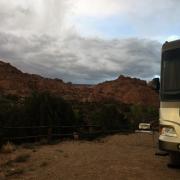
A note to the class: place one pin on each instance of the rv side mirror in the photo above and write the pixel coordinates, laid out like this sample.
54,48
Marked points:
155,84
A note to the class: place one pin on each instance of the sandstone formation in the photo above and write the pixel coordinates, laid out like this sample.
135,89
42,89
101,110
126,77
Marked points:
127,90
124,89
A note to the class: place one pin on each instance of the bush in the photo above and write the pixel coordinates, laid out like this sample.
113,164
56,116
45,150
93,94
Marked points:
8,148
110,117
139,114
48,110
40,109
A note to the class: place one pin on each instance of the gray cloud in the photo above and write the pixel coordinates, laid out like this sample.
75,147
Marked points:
33,16
82,60
35,37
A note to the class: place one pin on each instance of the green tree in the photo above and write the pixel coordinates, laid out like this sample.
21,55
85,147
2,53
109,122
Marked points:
110,117
46,109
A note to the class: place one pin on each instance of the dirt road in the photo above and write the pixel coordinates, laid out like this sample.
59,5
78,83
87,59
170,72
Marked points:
121,157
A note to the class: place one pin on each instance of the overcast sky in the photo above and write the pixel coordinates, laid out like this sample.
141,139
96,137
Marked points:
87,41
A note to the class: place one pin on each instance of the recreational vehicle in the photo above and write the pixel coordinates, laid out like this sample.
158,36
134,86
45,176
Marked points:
169,138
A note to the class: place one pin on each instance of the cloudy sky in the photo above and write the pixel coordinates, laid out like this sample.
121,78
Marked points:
87,41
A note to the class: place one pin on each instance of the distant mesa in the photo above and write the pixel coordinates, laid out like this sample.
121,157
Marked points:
123,89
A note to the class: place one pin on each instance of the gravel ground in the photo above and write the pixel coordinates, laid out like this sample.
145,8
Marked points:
121,157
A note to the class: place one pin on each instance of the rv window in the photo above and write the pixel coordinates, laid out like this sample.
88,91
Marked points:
171,75
171,70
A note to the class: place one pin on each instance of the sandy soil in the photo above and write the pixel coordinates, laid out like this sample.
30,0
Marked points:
121,157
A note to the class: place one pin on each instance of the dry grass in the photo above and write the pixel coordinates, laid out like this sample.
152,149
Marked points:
8,148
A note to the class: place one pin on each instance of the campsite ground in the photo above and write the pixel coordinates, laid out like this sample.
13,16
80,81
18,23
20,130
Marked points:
126,157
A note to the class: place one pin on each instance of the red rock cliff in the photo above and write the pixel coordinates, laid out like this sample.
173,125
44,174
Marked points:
124,89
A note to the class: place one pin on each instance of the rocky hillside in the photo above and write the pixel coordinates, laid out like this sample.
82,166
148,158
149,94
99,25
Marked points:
13,81
124,89
127,90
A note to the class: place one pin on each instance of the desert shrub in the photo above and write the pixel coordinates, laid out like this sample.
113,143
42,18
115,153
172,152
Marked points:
139,114
78,116
40,109
46,109
8,148
110,117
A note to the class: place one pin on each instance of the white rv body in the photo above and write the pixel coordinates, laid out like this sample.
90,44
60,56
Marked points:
169,139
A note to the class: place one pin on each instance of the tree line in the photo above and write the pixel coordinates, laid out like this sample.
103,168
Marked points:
45,109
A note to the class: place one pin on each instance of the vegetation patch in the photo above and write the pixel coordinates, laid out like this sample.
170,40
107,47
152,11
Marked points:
45,115
8,148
